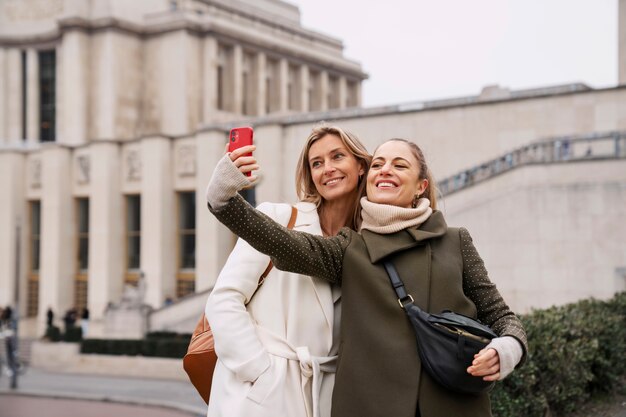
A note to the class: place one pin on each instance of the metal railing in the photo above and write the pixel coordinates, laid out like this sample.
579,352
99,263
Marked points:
556,150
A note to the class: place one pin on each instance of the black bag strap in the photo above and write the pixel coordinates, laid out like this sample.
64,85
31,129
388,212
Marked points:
404,299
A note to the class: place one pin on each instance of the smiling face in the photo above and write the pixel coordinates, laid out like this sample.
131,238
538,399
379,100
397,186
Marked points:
334,170
394,175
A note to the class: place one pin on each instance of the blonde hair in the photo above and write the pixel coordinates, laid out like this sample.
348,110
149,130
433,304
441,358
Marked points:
305,187
425,174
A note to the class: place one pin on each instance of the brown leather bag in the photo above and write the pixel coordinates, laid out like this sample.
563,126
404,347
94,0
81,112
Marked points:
200,360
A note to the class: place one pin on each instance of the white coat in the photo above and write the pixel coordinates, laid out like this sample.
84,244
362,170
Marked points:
276,351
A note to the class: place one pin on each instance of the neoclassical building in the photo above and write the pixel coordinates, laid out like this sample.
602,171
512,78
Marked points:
113,114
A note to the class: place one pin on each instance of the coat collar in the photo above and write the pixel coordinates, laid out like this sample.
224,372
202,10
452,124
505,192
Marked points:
380,246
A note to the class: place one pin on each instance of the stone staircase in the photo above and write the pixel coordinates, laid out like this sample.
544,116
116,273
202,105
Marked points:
180,317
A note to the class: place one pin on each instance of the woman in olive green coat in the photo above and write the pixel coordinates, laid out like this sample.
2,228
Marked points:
379,372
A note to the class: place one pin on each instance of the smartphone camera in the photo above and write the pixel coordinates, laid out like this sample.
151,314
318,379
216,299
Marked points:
234,136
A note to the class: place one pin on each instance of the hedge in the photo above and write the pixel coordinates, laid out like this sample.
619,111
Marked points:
577,351
153,347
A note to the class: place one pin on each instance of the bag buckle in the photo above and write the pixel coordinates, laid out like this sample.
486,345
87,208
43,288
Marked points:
401,300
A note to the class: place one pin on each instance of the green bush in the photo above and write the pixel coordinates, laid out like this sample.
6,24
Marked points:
168,335
165,348
576,352
73,334
53,334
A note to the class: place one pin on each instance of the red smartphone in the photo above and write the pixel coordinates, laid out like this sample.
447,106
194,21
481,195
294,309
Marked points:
241,136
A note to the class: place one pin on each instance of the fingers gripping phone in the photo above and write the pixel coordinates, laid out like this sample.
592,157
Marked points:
240,136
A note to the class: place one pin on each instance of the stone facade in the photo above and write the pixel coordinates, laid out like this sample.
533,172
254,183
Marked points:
145,93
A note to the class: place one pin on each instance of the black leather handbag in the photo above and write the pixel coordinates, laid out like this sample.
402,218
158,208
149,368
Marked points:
446,342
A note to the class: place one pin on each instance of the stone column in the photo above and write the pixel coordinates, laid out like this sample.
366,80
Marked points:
237,80
106,228
58,232
172,64
32,88
342,93
158,220
213,240
209,79
622,41
323,93
260,74
304,88
283,80
12,211
74,88
13,95
103,97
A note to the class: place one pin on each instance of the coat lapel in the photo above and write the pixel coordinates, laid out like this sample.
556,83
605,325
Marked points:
380,246
308,221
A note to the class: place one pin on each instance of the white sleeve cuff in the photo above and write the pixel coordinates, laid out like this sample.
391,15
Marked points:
509,351
225,182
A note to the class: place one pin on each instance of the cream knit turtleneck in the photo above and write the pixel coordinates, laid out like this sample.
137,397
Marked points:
385,218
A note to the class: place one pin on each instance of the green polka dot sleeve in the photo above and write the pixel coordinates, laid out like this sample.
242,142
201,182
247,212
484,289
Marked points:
492,310
289,250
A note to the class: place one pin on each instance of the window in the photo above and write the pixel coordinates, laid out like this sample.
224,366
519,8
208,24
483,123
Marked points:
47,96
24,95
293,88
272,86
268,95
81,279
245,110
220,87
83,234
133,237
187,230
32,302
185,280
333,92
352,94
315,99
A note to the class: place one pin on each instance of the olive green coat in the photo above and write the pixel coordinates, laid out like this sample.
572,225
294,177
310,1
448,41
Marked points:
379,372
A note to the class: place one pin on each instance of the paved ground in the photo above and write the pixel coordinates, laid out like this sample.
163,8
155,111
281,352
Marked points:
46,386
28,406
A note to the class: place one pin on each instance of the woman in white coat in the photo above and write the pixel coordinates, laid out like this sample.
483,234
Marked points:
277,343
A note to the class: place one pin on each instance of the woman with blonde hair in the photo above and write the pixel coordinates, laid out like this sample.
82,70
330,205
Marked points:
277,343
379,371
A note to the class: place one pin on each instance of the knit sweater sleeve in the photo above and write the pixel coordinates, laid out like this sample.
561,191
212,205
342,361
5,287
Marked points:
492,309
290,250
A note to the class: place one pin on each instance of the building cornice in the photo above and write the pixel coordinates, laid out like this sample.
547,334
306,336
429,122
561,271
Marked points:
412,107
165,23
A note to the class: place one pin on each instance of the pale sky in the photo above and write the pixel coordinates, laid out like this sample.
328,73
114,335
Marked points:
416,50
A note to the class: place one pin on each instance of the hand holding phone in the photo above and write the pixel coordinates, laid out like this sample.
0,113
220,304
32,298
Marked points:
242,137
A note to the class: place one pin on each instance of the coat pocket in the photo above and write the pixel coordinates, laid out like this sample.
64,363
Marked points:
261,388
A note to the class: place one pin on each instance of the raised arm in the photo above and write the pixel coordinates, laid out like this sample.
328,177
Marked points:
290,250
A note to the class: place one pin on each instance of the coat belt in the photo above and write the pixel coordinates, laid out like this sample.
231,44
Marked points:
311,367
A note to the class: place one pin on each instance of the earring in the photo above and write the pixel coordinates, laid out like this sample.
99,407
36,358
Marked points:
414,203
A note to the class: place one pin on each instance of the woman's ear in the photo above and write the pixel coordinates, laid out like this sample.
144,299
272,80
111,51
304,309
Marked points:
423,186
362,169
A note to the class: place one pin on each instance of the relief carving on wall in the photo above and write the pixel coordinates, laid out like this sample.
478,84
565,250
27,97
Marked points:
83,168
186,161
35,173
133,166
20,10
